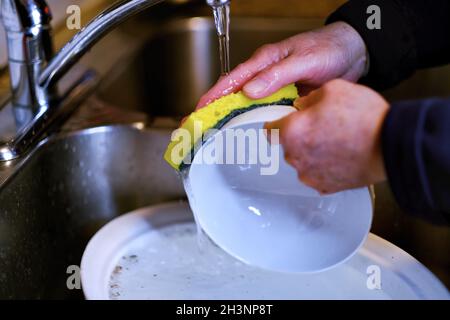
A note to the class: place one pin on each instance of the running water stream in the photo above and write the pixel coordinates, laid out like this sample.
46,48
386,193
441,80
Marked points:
222,21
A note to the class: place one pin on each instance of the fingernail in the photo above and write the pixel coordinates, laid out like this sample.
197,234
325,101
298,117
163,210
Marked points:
256,86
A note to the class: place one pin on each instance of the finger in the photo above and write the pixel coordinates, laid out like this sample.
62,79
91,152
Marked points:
300,103
272,136
261,59
304,102
291,69
280,126
277,124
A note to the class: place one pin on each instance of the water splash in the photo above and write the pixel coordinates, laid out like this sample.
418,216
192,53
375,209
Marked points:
204,243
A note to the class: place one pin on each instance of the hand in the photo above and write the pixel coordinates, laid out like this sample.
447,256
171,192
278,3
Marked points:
334,141
311,58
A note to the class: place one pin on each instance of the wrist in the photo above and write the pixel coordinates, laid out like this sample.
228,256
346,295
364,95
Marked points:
354,46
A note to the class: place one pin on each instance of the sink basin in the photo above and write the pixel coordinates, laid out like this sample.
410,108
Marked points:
67,189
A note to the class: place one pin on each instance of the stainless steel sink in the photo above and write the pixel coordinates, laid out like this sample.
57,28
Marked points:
68,189
54,200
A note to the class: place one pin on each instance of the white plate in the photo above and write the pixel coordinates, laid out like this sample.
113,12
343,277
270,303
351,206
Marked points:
141,238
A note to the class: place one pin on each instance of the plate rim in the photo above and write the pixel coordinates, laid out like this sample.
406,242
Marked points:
373,244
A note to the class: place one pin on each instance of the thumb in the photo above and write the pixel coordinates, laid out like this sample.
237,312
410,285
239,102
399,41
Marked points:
305,102
300,103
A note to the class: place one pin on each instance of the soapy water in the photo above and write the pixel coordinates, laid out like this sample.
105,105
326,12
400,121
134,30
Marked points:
172,257
174,263
167,263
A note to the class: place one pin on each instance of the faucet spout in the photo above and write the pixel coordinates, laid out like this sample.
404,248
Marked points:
36,103
217,3
90,35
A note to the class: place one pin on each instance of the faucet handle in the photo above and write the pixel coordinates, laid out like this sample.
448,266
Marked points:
24,15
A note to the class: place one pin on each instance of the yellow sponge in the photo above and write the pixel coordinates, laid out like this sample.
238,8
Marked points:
214,116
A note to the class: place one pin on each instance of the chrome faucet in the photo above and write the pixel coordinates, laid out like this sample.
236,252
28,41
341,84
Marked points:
37,99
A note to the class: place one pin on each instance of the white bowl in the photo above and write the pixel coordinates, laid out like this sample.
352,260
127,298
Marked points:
273,221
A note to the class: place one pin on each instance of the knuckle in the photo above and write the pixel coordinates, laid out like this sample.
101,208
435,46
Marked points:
295,132
261,50
308,54
308,141
240,67
268,52
336,83
328,85
329,88
267,47
241,71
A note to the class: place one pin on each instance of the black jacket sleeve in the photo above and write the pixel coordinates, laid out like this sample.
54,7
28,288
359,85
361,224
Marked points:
414,34
416,149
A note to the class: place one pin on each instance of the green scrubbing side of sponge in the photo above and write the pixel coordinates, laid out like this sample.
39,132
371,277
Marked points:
216,115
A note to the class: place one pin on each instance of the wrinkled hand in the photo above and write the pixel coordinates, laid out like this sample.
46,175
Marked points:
334,140
310,58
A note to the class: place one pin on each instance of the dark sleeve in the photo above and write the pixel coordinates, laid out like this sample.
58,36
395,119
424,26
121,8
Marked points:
414,34
416,148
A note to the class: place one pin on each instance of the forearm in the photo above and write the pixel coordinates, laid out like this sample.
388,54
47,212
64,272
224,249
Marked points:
414,34
416,148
